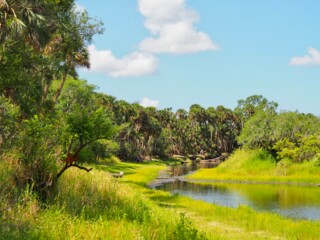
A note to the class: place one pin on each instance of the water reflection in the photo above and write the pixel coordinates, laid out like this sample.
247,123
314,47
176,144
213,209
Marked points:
188,168
291,201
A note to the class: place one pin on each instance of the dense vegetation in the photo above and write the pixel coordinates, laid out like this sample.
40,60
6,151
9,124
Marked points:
50,122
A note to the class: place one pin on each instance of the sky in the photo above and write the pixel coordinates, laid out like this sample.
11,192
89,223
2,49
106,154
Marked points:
175,53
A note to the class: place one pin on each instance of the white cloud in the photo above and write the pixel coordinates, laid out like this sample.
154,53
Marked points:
313,58
172,25
146,102
132,65
79,8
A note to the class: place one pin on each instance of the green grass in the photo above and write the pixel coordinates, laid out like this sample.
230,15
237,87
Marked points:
141,173
221,222
258,166
96,206
242,222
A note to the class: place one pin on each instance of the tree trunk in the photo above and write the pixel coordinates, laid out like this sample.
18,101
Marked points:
58,92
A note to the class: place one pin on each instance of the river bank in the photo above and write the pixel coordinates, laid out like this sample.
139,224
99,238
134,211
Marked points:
219,222
255,166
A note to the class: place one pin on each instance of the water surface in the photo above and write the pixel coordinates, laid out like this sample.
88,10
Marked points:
302,202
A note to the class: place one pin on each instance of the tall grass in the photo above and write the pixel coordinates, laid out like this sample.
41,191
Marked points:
259,166
96,206
93,206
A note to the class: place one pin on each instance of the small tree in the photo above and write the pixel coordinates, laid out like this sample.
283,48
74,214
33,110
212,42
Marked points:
83,127
84,121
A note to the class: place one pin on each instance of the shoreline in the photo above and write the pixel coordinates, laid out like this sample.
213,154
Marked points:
163,178
235,181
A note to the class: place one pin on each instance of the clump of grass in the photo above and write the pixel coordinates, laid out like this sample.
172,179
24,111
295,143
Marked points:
96,194
243,162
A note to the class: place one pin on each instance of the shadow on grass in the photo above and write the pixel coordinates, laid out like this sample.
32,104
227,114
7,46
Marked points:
168,205
167,201
140,184
165,198
16,231
127,168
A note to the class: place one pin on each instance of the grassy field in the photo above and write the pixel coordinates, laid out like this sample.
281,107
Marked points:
258,166
96,206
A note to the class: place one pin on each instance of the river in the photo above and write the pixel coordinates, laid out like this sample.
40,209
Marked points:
299,202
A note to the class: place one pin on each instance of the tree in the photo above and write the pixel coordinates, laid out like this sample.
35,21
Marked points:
253,104
258,131
29,19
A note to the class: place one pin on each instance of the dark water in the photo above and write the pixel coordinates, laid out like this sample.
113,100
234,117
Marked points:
302,202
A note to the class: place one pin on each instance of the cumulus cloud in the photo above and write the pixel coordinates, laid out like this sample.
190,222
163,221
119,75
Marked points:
146,102
132,65
171,24
313,58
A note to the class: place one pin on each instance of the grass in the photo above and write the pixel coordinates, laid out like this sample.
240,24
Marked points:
232,223
258,166
137,173
97,206
244,222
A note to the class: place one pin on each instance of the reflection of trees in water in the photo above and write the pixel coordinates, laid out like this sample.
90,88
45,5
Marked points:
283,195
264,197
194,188
260,196
187,168
284,199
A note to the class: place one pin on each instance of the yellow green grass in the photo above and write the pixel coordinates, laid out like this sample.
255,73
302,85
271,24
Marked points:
228,223
97,206
258,166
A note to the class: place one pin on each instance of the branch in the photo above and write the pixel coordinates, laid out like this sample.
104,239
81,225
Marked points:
66,166
82,168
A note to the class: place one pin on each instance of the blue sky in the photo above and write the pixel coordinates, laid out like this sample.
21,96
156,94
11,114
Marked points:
174,53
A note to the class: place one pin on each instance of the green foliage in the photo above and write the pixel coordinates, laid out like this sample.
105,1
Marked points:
85,123
306,148
9,122
258,131
186,230
38,147
288,134
252,105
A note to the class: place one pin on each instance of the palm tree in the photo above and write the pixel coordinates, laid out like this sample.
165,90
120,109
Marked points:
26,19
73,60
76,33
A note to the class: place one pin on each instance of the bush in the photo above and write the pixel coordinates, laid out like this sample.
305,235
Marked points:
306,148
186,230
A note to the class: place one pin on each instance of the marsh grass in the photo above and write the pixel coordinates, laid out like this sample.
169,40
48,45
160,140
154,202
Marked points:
259,166
96,206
